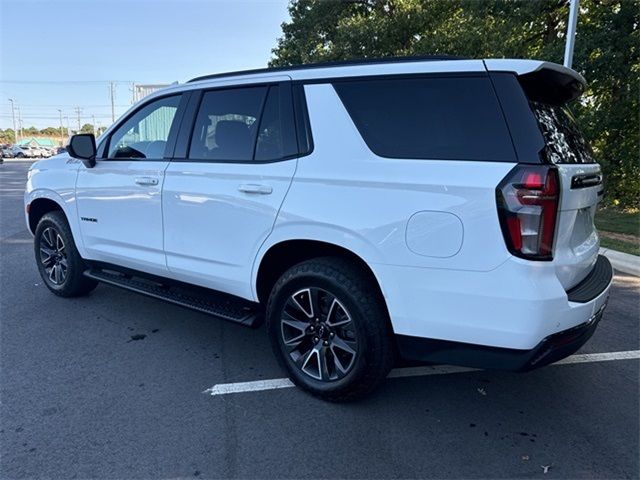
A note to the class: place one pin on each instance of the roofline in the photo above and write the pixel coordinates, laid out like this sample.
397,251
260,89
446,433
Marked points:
337,63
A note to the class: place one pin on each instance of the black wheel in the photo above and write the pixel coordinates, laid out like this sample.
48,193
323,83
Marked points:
330,329
59,262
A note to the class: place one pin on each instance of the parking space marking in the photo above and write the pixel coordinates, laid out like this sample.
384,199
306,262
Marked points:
277,383
257,386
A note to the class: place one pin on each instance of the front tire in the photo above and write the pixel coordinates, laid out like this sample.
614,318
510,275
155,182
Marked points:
329,329
59,263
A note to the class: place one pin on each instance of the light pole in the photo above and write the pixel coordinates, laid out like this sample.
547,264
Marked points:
61,134
13,117
571,33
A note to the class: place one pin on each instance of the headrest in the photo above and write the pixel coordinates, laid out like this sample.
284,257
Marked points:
232,135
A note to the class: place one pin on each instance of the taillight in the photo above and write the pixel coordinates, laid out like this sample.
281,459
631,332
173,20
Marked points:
528,200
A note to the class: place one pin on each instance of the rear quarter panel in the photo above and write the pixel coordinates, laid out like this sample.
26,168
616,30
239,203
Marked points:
347,195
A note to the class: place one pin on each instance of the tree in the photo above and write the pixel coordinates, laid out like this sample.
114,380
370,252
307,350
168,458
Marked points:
7,136
606,54
86,128
50,131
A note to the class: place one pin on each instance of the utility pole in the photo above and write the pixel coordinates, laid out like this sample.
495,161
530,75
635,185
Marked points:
19,121
571,32
112,94
13,117
78,110
61,134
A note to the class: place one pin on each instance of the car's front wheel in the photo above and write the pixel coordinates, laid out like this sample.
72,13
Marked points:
329,328
59,263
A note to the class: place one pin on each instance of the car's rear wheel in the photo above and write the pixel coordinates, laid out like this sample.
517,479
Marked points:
329,329
59,263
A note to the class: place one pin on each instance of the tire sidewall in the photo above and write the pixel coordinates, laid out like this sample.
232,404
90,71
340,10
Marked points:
275,307
54,221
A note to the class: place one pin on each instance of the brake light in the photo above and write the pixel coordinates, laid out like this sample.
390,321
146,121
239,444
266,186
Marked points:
528,201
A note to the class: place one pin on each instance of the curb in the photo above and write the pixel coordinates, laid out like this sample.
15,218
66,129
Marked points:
623,262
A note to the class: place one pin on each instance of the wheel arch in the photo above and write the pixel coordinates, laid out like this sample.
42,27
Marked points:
39,207
281,256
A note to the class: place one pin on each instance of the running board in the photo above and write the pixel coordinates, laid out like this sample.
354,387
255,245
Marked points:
218,304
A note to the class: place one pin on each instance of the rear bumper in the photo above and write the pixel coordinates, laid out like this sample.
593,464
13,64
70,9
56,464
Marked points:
592,293
551,349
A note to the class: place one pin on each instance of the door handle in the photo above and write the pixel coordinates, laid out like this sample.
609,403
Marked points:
146,181
255,188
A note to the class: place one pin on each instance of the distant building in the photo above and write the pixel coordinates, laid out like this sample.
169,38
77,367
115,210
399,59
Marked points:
38,142
141,91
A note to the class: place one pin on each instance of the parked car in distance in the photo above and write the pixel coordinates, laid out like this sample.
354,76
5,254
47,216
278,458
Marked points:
436,209
5,151
21,152
60,150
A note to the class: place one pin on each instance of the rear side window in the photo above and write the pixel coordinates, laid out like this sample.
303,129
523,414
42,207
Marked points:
564,141
226,124
445,118
245,124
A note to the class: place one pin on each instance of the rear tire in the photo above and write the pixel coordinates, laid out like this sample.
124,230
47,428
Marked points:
59,263
329,329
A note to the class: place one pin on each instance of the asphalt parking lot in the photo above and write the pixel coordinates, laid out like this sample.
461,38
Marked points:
113,386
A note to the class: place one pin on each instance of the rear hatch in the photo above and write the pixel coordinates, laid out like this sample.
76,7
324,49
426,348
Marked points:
576,242
536,98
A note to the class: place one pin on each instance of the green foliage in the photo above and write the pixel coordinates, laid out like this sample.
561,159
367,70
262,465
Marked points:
606,53
50,132
7,136
613,220
86,128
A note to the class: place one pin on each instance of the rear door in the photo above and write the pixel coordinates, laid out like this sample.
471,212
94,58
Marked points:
232,168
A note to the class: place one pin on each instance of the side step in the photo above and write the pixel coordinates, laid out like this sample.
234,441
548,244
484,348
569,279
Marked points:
218,304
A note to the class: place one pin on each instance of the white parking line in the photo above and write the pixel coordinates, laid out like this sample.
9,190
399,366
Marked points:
276,383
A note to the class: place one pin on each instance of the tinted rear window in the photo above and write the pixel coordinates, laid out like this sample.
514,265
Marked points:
450,118
564,141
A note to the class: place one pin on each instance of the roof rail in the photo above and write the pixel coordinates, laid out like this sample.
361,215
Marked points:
337,63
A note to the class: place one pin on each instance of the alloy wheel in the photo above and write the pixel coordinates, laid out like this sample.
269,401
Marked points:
53,256
318,334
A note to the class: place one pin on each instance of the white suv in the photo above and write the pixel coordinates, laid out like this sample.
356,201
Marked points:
431,209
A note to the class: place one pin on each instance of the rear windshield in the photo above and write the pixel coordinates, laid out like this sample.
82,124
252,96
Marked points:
445,118
564,141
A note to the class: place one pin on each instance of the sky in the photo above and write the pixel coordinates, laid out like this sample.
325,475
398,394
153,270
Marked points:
64,54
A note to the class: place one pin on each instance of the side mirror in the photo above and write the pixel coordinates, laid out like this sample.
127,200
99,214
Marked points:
83,146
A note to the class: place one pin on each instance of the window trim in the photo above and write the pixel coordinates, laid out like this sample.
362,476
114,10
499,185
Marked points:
417,76
183,145
173,131
304,135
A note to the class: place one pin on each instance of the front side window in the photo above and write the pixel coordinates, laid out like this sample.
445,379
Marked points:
145,134
227,125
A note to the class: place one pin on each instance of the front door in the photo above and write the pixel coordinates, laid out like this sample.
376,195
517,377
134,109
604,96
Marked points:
221,200
119,200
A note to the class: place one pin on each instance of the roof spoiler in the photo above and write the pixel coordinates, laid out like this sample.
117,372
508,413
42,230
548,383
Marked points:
544,82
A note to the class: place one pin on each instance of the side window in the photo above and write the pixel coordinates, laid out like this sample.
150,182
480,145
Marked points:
145,134
269,145
227,125
445,118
